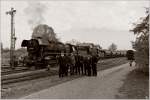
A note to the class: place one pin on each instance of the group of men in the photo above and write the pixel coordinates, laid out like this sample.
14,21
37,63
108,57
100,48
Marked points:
77,64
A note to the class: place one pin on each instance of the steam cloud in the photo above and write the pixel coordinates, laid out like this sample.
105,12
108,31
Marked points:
35,13
44,32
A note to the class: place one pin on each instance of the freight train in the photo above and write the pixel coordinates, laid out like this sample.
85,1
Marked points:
43,55
44,48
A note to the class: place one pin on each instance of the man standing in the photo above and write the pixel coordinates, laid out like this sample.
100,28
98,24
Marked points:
84,65
81,63
94,65
61,65
77,67
65,61
89,65
72,64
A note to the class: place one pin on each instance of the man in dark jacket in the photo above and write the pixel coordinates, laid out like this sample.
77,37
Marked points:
87,65
81,64
77,67
66,64
72,64
61,65
94,61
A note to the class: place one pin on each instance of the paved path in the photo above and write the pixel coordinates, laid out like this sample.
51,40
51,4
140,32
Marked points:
104,86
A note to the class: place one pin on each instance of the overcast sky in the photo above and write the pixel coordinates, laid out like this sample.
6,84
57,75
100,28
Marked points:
100,22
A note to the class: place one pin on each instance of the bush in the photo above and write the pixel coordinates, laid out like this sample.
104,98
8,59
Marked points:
141,45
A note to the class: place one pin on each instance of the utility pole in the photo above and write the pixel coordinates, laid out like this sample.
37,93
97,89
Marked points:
13,38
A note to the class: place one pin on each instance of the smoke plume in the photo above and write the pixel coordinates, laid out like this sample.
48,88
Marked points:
35,13
45,33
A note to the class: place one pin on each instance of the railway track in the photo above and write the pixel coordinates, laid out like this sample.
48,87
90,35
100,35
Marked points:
6,70
30,75
24,76
10,71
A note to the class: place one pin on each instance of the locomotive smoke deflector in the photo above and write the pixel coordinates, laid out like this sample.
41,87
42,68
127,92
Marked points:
24,43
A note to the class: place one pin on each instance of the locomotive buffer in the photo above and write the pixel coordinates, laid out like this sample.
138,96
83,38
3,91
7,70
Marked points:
13,38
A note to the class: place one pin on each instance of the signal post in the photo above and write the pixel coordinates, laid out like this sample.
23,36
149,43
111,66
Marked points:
13,38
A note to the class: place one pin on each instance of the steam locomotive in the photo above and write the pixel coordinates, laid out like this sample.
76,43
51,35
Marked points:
40,54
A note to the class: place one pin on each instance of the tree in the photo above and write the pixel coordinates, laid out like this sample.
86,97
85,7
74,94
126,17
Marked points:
112,47
141,44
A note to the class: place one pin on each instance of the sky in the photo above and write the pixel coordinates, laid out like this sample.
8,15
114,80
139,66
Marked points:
99,22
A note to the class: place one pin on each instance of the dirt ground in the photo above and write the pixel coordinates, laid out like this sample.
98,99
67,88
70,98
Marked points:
136,86
104,86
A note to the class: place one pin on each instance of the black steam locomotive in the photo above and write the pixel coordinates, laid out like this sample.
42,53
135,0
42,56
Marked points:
42,55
